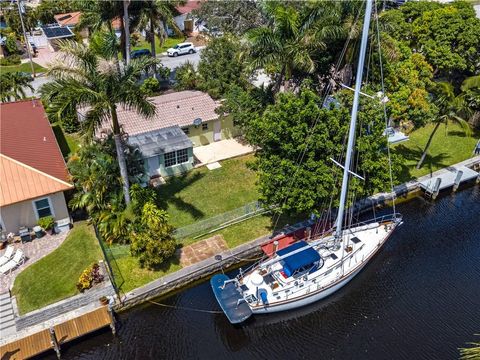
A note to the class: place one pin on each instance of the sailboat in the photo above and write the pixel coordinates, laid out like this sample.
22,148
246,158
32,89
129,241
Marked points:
306,272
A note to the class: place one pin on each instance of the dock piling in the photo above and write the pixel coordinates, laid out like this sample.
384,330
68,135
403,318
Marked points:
458,180
54,341
111,315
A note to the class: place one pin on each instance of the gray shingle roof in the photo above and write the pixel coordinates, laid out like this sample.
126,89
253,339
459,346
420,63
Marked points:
161,141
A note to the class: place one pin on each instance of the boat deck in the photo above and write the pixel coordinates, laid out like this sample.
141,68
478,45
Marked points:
230,299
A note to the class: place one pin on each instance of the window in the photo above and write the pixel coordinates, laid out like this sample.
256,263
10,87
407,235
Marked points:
42,207
205,126
176,157
182,156
186,130
170,159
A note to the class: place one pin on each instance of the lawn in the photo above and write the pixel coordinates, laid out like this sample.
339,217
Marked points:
449,146
169,42
54,277
68,143
131,275
25,67
201,193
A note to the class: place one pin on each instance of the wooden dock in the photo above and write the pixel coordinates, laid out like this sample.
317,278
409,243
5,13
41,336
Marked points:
69,330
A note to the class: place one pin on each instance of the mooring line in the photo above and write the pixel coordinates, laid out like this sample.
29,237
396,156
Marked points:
186,308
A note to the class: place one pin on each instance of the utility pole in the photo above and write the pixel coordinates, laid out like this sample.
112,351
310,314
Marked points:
27,44
126,29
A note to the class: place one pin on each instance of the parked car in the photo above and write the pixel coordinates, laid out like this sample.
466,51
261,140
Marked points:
181,49
139,53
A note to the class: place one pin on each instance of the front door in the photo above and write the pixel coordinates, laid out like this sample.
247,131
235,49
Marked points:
217,131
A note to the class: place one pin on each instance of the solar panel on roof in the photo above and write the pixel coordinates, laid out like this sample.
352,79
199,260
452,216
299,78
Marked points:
54,32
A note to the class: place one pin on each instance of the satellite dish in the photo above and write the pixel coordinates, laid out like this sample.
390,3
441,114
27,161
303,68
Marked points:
197,122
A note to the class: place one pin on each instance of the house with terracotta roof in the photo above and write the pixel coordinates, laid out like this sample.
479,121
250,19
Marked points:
184,19
183,120
33,173
71,20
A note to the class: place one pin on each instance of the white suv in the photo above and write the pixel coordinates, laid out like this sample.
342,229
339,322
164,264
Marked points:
181,49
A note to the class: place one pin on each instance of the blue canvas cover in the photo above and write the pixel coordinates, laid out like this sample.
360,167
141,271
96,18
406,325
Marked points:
299,260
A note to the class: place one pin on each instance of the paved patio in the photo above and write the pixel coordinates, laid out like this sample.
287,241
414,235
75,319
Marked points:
34,250
201,250
220,150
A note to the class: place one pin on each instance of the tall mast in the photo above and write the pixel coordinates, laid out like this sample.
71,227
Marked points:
353,121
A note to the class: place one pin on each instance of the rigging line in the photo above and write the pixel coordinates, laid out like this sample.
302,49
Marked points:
327,91
384,107
185,308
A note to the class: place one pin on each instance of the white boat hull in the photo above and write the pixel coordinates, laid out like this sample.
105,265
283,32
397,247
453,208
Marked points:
308,299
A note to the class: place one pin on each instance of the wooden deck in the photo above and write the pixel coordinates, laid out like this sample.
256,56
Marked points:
69,330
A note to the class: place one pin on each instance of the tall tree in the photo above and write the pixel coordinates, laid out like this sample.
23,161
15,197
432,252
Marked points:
236,17
291,38
451,108
13,85
155,16
296,138
82,79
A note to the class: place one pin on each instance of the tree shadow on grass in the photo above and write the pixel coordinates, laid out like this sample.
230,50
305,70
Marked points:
413,155
167,193
61,140
457,133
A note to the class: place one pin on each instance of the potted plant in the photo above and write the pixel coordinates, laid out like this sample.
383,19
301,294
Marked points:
47,223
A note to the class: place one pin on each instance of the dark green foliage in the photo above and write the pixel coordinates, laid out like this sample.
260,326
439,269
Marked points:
13,85
141,196
10,60
186,77
46,9
234,17
446,34
152,237
244,105
150,86
11,47
95,173
294,167
220,66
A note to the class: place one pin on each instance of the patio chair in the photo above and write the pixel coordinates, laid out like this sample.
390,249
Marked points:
18,259
7,255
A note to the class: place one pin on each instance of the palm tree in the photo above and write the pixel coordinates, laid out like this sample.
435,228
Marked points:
451,109
13,85
84,80
292,37
96,15
155,16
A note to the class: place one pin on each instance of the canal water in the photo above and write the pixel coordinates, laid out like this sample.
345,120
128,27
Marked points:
419,298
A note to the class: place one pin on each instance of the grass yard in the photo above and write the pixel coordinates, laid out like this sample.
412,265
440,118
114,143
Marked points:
25,67
68,143
449,146
169,42
132,276
201,193
54,277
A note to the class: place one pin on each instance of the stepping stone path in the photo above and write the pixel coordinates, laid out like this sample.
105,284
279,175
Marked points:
201,250
7,317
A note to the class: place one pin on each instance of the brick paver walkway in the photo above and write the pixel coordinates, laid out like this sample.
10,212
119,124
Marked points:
201,250
33,250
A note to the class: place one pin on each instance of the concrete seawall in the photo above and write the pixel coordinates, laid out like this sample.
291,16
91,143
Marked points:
250,250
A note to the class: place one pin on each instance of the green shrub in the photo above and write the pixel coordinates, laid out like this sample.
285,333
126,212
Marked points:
152,240
46,222
10,60
150,86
